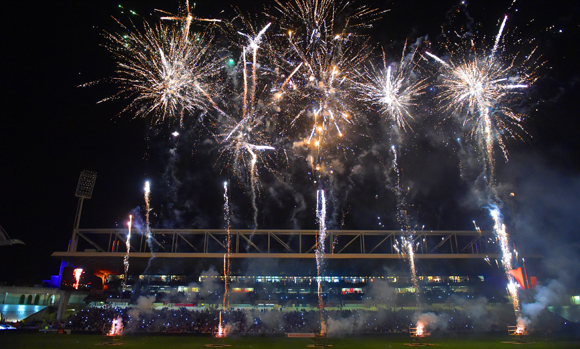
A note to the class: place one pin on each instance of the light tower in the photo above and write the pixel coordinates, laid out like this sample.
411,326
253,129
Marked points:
84,191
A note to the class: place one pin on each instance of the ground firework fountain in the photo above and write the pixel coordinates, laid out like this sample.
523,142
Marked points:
128,245
320,250
148,236
220,333
113,336
418,334
406,246
116,327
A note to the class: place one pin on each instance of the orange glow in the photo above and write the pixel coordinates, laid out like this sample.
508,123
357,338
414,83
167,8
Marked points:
103,275
116,328
420,329
221,332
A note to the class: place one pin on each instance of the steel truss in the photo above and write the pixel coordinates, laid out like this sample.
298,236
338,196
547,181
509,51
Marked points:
288,243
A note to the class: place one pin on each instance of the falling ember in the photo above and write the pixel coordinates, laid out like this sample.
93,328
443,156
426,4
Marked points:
128,245
116,327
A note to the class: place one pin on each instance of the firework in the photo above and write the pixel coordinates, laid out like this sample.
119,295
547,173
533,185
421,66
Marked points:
149,237
116,327
228,247
393,91
128,245
245,136
165,71
317,63
481,87
320,249
506,259
77,272
406,246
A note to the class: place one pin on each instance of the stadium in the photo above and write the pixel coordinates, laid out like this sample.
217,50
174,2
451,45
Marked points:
276,270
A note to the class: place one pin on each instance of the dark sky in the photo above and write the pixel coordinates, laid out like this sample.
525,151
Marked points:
53,129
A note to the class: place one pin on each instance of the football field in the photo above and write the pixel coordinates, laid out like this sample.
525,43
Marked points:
18,339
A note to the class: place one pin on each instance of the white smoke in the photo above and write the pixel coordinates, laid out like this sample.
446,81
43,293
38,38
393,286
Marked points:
210,283
553,292
433,321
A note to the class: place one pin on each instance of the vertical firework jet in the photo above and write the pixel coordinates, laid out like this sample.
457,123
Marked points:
148,237
481,87
228,247
320,250
506,258
128,245
406,246
226,302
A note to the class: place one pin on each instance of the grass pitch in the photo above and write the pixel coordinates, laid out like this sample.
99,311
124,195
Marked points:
19,339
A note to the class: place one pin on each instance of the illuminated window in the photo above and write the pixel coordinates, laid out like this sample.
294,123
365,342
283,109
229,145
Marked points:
351,290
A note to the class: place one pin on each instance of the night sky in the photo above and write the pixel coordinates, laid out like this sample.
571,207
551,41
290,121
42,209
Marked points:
53,129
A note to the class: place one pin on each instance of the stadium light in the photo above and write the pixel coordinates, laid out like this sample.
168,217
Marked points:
86,184
85,187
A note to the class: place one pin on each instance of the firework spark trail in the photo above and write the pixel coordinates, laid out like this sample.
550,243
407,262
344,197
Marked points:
498,37
254,44
320,249
148,236
244,141
226,302
506,259
164,71
128,245
393,91
406,246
